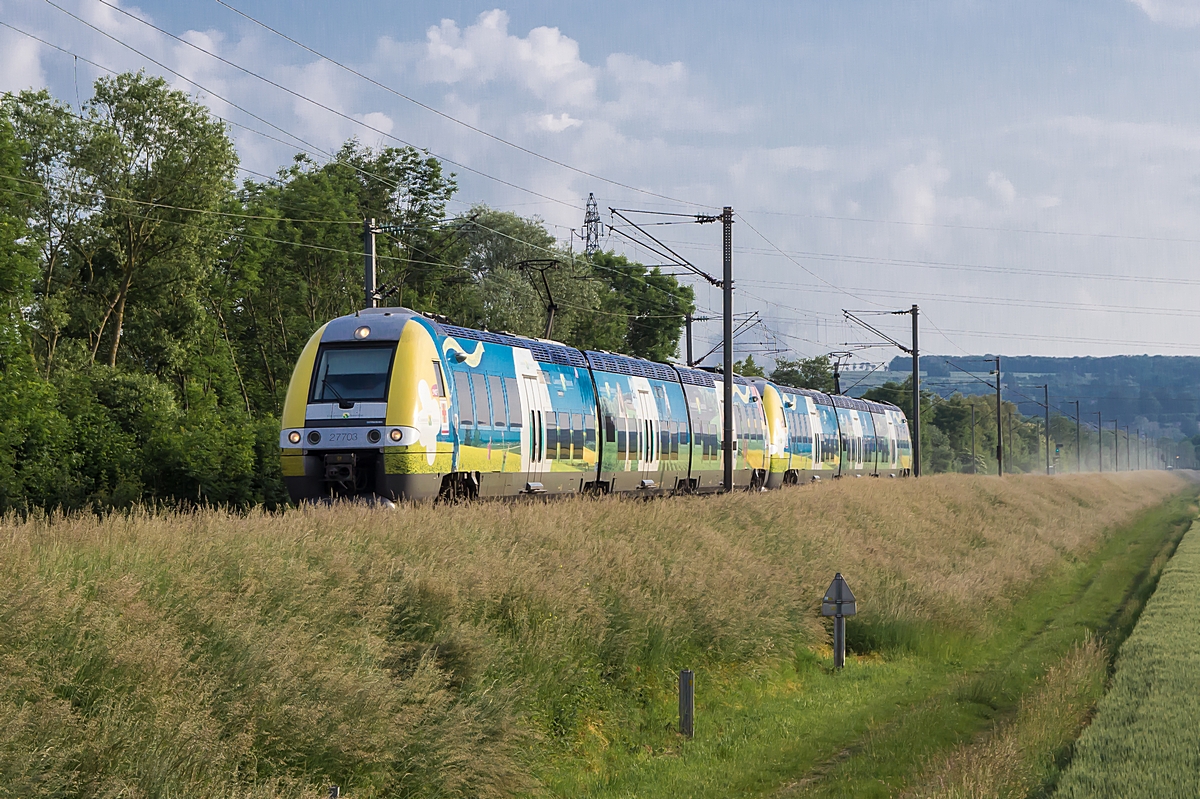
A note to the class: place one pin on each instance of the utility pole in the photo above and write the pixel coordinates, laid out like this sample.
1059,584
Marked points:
999,441
369,263
687,321
1046,389
727,312
1078,439
1116,449
915,352
916,394
1138,430
1099,442
1128,460
726,285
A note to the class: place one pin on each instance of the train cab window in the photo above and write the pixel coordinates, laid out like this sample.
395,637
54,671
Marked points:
353,374
484,414
438,389
515,411
462,390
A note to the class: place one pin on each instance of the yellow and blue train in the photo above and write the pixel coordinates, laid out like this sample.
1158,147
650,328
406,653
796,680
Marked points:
391,403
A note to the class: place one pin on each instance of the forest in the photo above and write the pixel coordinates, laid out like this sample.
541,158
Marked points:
155,294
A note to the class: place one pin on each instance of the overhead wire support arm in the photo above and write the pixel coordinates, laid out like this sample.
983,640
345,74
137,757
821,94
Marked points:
542,266
681,261
915,352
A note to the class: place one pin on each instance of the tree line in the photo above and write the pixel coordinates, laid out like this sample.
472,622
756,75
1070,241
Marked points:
156,296
153,303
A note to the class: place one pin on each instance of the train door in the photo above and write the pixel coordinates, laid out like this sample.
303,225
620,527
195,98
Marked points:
535,397
649,464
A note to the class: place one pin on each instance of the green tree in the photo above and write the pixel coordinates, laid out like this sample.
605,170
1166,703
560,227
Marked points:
33,438
296,261
642,311
748,368
815,373
162,166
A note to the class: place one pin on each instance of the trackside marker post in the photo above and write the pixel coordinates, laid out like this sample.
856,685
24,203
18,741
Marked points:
687,702
839,602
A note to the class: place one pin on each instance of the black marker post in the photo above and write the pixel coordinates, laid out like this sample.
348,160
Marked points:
839,602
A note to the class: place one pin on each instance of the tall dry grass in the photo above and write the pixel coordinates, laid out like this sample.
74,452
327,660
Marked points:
443,650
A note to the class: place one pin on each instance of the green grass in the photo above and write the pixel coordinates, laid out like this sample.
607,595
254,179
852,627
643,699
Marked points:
1145,740
499,650
872,729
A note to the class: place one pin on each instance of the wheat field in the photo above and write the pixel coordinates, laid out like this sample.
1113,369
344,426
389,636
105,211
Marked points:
446,651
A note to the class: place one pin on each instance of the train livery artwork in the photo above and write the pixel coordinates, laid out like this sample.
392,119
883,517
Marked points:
391,403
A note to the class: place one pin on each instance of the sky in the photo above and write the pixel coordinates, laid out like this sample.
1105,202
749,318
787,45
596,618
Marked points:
1028,173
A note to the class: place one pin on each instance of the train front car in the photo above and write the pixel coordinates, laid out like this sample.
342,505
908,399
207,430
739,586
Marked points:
367,412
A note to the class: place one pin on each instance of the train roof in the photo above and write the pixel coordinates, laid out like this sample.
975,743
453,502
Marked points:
625,365
836,400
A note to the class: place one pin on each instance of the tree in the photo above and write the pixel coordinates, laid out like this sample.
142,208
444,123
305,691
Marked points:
32,437
815,373
748,368
296,261
59,206
641,308
162,165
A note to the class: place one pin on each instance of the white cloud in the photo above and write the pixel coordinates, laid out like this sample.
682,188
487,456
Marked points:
1002,186
545,62
1184,13
557,124
915,189
20,63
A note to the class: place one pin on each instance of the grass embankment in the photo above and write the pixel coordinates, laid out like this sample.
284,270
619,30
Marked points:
1145,740
500,649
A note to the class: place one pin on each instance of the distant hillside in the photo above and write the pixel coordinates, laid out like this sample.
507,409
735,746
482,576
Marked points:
1159,394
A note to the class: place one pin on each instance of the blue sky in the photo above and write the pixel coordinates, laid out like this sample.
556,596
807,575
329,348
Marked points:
1025,172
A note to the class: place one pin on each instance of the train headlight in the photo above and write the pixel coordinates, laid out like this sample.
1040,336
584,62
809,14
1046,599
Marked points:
373,436
294,437
314,437
362,332
395,435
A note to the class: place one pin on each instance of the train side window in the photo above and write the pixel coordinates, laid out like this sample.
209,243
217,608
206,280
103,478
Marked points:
462,387
515,411
664,442
438,389
684,434
500,409
483,406
622,438
577,436
589,431
551,435
610,429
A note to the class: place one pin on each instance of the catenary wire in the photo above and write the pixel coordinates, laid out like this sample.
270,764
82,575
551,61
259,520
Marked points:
349,118
452,118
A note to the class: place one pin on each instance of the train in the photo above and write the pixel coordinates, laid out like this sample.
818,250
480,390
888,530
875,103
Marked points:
393,404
